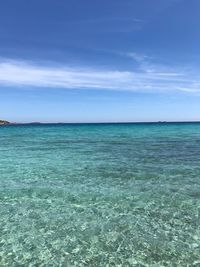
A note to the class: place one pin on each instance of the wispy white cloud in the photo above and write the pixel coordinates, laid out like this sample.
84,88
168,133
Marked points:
26,74
109,19
140,58
109,24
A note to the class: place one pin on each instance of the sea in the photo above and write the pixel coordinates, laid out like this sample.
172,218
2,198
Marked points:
121,194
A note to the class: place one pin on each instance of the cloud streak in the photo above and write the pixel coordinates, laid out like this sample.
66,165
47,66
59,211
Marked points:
109,25
26,74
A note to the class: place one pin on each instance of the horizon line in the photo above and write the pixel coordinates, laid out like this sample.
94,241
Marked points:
108,122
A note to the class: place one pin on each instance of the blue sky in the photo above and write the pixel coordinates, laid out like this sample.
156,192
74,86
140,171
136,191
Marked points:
93,61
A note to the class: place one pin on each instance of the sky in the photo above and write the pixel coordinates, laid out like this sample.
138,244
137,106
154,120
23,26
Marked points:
99,60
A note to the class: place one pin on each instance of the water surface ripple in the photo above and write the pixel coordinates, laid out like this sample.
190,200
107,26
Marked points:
100,195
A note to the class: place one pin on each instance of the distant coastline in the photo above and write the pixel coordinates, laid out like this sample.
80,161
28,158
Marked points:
6,123
3,122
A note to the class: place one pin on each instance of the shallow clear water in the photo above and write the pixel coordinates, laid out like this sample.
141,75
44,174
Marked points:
100,195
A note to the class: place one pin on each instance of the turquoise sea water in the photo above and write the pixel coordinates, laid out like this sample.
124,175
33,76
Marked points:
100,195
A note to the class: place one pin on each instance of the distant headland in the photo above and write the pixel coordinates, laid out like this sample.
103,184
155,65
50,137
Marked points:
3,122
